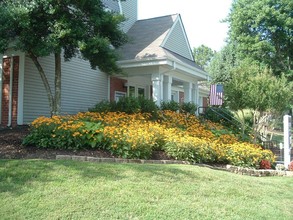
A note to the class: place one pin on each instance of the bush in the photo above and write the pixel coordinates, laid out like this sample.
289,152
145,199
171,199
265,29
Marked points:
61,133
190,149
148,106
265,164
188,107
170,105
103,106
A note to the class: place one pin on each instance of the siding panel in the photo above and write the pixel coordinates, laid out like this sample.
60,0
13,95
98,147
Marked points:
177,42
129,9
82,87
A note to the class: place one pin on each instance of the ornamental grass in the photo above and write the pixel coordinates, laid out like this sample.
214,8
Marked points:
181,136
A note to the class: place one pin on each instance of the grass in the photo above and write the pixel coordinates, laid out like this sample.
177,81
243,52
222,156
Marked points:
43,189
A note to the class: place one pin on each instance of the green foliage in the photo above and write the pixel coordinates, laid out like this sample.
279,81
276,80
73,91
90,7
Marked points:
188,107
262,30
128,105
223,63
222,116
72,28
254,87
103,106
170,105
51,135
45,27
203,56
190,151
148,106
126,150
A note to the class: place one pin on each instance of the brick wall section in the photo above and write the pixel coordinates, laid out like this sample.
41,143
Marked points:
15,90
6,91
116,84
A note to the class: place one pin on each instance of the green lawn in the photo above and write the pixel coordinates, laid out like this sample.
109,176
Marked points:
41,189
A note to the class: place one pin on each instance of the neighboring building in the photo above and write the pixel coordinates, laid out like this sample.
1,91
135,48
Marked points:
158,62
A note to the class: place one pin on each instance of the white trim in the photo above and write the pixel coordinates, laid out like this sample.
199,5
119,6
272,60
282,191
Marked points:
109,87
121,94
1,74
170,31
20,88
120,7
178,19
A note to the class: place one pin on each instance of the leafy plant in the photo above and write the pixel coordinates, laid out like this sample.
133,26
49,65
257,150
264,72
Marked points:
188,107
265,164
170,105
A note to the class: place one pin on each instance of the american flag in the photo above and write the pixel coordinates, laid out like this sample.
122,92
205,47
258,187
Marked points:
216,94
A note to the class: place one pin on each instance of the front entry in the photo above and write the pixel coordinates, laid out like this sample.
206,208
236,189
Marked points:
10,75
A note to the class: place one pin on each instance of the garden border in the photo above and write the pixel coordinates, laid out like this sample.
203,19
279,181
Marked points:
229,168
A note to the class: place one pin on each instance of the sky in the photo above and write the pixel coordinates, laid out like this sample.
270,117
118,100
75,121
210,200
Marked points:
201,18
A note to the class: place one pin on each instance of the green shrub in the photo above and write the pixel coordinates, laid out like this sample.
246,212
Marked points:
170,105
148,106
188,107
190,149
129,105
66,135
103,106
223,116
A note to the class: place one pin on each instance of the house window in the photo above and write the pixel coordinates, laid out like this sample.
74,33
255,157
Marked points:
131,91
119,95
141,92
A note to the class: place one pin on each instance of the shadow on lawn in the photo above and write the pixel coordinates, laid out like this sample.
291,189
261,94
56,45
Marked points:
19,176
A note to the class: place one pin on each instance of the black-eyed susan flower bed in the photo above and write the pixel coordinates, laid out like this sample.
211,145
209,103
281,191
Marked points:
181,136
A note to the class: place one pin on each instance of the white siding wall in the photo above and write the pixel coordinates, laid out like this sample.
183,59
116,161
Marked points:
129,9
176,42
82,87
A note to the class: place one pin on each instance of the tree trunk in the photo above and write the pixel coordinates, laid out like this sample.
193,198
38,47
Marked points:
57,100
45,81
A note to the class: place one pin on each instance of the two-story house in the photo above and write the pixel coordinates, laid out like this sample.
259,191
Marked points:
158,63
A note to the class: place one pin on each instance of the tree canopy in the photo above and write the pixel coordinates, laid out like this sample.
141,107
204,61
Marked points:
203,56
69,27
223,63
254,87
263,31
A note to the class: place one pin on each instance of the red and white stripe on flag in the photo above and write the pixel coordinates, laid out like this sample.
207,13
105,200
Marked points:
216,94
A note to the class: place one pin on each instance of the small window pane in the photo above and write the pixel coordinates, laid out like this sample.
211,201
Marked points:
140,92
131,91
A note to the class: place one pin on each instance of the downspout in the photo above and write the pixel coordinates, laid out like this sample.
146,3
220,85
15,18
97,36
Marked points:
10,92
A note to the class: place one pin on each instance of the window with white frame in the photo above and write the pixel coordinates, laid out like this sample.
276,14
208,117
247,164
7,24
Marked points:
119,95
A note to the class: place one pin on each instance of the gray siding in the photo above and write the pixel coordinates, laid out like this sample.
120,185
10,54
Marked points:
177,43
129,9
112,5
35,101
82,87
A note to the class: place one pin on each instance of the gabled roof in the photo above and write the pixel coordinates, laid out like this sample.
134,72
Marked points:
151,39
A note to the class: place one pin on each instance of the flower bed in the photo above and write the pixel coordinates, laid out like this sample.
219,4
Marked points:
181,136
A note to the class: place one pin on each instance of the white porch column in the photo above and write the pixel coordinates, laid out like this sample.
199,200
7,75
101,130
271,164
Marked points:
157,88
1,82
167,87
187,91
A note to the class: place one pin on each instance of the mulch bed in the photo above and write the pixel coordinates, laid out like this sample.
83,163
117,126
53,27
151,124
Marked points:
11,148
